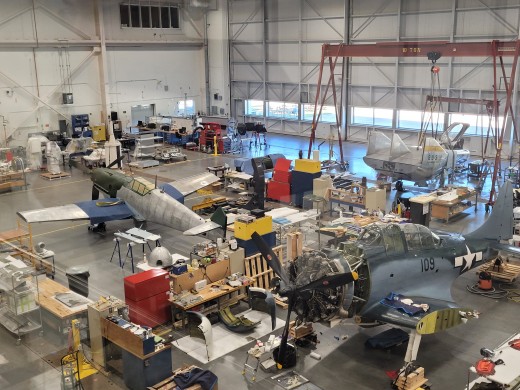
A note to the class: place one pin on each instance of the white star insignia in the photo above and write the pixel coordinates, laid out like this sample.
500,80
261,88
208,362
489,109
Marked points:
466,261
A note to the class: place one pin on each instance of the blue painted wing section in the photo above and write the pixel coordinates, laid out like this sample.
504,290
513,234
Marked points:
173,192
396,316
99,210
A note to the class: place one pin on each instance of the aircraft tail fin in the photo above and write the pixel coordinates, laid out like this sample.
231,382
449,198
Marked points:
499,225
217,225
398,147
378,142
220,218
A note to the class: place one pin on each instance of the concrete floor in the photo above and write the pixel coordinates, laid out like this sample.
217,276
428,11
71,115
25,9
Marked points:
345,363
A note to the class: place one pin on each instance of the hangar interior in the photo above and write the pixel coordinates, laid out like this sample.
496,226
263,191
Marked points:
364,141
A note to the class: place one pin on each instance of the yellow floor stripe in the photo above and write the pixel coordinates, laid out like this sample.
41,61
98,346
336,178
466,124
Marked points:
60,230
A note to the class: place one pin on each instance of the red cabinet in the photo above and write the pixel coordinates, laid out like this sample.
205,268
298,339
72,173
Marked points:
146,295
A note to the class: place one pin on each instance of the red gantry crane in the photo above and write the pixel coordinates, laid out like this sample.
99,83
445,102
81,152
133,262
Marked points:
494,49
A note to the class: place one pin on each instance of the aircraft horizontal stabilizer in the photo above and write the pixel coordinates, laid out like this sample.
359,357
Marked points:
201,229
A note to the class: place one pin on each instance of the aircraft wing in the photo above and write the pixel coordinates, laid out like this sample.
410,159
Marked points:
441,315
193,183
97,211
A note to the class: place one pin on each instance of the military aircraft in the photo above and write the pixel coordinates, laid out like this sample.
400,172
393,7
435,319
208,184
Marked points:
399,274
135,197
393,158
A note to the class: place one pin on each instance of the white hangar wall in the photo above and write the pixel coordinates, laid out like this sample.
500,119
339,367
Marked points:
41,45
275,49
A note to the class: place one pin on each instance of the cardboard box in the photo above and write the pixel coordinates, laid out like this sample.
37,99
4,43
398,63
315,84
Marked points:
211,273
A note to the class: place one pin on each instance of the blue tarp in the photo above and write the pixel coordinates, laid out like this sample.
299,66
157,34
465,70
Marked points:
395,301
105,213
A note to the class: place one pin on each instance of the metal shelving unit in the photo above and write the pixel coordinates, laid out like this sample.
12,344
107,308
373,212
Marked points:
20,312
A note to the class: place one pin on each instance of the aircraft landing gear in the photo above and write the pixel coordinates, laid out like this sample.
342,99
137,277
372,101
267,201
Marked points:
98,227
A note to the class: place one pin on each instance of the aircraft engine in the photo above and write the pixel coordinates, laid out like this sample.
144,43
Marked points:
316,305
357,293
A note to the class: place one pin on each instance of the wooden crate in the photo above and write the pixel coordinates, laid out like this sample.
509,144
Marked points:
301,331
257,269
507,272
412,381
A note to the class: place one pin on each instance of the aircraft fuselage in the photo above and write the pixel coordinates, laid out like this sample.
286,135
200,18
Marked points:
146,201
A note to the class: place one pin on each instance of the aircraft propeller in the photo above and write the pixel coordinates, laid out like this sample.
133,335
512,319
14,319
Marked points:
285,355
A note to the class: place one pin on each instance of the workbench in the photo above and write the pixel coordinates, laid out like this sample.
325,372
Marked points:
234,180
144,364
222,169
214,291
353,196
446,209
12,179
58,315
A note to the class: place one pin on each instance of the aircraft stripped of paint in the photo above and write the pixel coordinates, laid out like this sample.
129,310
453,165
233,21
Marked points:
393,158
138,198
399,274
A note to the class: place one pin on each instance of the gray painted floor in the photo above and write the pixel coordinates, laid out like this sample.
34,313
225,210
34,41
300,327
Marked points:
345,363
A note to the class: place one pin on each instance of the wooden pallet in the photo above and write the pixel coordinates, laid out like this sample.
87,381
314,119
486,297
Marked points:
508,272
257,269
54,176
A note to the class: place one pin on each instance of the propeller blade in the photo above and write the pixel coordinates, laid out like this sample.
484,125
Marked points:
329,281
116,162
95,193
270,257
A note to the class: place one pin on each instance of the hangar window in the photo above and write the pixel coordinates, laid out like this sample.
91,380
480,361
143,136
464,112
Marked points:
362,116
282,110
186,108
254,107
151,15
328,113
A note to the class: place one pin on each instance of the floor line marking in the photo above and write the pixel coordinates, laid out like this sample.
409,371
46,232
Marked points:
59,230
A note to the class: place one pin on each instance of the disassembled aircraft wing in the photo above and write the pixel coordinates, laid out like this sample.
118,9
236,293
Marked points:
191,184
110,209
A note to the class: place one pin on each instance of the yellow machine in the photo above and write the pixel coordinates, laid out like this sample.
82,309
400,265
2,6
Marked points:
74,366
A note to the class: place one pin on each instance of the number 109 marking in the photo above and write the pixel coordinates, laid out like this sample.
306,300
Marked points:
427,264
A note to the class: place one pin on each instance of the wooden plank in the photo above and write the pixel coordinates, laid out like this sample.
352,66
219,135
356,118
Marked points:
13,234
47,289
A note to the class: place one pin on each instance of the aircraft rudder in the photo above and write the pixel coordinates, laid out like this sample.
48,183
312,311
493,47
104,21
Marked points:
499,224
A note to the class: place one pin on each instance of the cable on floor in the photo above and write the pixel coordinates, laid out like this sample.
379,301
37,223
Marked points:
493,293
